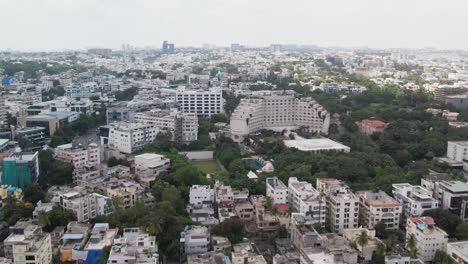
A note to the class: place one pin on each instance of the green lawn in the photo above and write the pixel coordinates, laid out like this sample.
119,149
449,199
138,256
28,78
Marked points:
207,166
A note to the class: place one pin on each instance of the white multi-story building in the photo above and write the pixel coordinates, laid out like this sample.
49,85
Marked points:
201,194
429,238
276,190
415,199
27,244
135,247
183,126
85,206
451,195
457,150
195,239
202,102
130,137
277,111
305,199
375,207
149,165
78,155
342,204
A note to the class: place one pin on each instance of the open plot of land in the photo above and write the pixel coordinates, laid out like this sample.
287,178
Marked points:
207,166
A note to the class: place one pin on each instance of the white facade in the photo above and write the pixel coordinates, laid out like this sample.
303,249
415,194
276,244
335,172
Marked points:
201,194
27,244
201,102
429,238
305,199
375,207
183,126
415,199
457,150
342,204
85,206
276,190
149,165
458,251
135,247
130,137
78,155
276,111
195,239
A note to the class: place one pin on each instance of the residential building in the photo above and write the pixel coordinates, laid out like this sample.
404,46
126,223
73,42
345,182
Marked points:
415,199
458,251
277,111
342,204
200,207
370,127
452,196
208,258
302,233
86,206
129,192
377,206
457,150
28,244
276,190
131,137
365,251
20,169
398,259
202,102
305,199
201,194
89,176
183,126
220,243
78,155
149,165
243,253
74,238
101,237
134,246
429,238
195,239
244,210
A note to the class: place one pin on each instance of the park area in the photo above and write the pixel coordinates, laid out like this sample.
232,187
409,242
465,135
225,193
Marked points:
207,166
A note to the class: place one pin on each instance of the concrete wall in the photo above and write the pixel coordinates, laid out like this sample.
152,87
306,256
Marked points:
198,155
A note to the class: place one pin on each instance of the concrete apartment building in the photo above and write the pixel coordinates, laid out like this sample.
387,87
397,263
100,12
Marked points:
86,206
202,102
79,155
149,165
200,207
342,204
20,169
457,150
276,190
277,111
201,194
195,239
375,207
28,244
415,199
183,126
134,246
131,137
365,252
429,238
452,196
75,236
89,176
305,199
128,191
458,251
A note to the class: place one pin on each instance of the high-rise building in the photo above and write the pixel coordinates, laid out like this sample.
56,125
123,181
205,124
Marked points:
20,169
131,137
376,207
428,237
277,111
168,47
202,102
305,199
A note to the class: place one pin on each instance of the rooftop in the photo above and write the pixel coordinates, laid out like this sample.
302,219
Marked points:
379,198
315,144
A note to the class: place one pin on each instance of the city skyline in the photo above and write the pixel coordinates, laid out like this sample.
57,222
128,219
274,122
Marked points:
67,25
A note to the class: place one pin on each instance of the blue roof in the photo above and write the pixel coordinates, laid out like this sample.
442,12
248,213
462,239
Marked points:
72,236
227,260
11,189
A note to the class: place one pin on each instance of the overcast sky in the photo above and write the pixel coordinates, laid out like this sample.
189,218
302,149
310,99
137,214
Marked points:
79,24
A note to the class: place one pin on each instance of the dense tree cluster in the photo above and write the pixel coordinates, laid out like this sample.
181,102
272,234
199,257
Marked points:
32,69
52,171
126,95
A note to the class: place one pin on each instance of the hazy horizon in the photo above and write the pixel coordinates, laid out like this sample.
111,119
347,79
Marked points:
57,25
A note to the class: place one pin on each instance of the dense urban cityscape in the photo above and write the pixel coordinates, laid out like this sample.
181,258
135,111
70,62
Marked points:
234,155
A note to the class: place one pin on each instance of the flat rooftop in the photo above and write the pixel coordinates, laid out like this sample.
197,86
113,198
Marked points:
316,144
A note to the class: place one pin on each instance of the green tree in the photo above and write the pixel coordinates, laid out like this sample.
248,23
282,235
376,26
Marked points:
33,193
462,231
445,220
412,246
54,172
363,239
232,228
441,257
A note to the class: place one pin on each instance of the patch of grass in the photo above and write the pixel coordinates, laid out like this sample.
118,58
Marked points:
207,166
